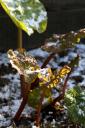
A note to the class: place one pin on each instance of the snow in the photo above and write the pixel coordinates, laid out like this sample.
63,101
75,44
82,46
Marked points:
4,59
1,117
53,123
35,127
81,112
38,52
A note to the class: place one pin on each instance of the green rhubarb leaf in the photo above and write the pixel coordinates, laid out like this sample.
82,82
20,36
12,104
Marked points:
35,95
28,15
34,98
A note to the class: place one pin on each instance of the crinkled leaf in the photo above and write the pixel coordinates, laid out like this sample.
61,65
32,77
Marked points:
50,79
75,103
27,65
29,15
58,75
63,71
24,63
59,43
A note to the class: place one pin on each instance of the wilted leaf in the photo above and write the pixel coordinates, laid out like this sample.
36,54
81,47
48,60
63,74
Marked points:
62,42
25,64
29,15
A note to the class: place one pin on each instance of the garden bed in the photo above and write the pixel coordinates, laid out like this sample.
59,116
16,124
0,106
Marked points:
10,96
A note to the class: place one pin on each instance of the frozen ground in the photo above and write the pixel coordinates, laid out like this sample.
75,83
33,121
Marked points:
10,82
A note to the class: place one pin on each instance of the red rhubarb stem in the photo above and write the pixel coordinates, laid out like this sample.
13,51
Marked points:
48,59
22,106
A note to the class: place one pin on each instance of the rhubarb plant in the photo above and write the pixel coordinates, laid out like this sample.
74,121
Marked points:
34,94
37,83
27,66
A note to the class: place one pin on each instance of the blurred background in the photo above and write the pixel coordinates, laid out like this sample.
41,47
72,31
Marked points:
63,16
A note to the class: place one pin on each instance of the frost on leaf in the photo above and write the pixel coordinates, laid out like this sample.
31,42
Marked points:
62,42
27,65
29,15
